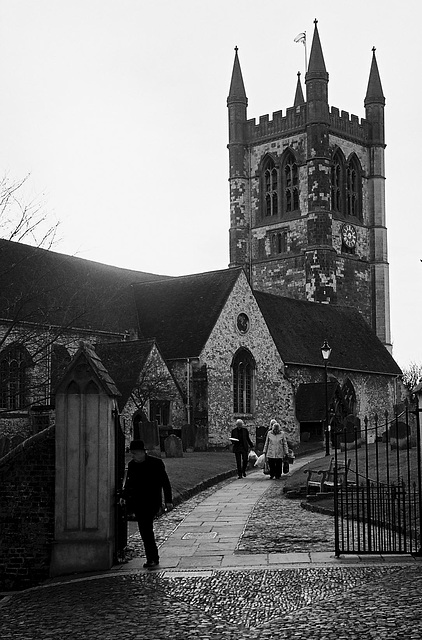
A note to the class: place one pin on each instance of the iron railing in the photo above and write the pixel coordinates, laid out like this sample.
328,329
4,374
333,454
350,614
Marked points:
378,504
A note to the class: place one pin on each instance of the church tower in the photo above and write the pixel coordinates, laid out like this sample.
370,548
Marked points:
307,205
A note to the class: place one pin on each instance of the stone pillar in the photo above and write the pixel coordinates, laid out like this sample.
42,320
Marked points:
85,468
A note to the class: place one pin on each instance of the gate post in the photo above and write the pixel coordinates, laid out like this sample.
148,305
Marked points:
85,498
418,398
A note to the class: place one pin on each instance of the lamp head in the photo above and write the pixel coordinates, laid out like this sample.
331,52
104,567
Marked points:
326,350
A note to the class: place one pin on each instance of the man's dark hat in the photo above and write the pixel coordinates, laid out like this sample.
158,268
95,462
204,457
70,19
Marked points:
137,445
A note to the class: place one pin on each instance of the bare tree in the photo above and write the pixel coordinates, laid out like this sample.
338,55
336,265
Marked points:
44,298
412,375
22,220
154,384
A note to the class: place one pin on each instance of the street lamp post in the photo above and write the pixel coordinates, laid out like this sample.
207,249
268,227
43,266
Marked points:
326,352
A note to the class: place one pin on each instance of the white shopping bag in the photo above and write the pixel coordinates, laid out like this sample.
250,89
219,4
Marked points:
260,462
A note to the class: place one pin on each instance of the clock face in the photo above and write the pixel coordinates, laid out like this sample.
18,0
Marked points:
242,323
349,235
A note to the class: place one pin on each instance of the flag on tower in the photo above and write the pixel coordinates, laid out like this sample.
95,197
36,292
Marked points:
301,37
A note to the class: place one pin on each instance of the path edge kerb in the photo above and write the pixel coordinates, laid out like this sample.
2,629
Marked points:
181,497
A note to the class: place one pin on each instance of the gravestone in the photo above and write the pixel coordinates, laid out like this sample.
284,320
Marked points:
201,438
399,436
350,435
173,447
188,437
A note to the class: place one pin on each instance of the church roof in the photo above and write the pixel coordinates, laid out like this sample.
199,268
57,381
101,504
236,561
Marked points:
299,329
181,312
51,288
124,362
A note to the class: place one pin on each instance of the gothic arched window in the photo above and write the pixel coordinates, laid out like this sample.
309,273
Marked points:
337,183
349,396
353,188
243,382
13,379
271,188
291,183
279,242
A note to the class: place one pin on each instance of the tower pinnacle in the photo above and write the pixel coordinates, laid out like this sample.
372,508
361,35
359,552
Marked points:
374,93
237,91
316,67
299,99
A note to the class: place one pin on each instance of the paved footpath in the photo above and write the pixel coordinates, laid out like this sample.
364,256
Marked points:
239,561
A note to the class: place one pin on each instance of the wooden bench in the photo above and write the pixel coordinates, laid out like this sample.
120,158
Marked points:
322,480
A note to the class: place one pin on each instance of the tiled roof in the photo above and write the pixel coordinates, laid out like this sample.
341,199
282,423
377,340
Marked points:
124,362
181,312
46,287
299,329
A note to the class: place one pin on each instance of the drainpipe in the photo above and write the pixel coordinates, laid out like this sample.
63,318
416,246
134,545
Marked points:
188,389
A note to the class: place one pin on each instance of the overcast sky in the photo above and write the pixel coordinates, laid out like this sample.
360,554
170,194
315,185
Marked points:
117,109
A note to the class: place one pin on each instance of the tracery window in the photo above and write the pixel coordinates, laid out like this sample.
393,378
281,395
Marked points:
352,188
346,188
243,382
13,377
271,188
160,411
337,181
291,184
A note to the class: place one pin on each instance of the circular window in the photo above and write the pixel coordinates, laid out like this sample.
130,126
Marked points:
243,323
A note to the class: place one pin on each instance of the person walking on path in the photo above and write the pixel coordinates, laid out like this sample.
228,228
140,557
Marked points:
145,484
241,444
275,450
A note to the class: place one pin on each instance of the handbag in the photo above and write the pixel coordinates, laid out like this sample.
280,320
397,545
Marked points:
266,468
286,465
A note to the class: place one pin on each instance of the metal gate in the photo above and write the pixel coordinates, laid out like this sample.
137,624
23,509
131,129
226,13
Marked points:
378,502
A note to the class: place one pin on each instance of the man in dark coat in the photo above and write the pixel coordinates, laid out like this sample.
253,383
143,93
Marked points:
241,443
146,481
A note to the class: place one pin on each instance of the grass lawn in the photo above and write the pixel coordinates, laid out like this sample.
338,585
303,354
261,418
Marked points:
196,471
381,463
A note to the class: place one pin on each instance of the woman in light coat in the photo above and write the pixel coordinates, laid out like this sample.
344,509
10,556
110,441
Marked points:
275,450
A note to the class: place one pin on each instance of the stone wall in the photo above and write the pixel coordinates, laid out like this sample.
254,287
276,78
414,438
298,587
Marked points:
374,393
273,393
165,389
27,477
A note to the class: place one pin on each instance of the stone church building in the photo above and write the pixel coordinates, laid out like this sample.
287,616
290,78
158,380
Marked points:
308,263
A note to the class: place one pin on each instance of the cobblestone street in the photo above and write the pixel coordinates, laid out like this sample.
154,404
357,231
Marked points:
378,598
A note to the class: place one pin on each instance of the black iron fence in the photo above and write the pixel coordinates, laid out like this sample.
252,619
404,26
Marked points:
378,502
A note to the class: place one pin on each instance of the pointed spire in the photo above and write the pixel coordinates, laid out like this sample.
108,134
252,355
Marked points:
316,66
299,99
237,91
374,92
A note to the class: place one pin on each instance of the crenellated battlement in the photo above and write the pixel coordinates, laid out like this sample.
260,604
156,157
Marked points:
294,119
348,125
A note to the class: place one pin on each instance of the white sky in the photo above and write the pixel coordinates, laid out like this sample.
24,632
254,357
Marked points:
117,109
